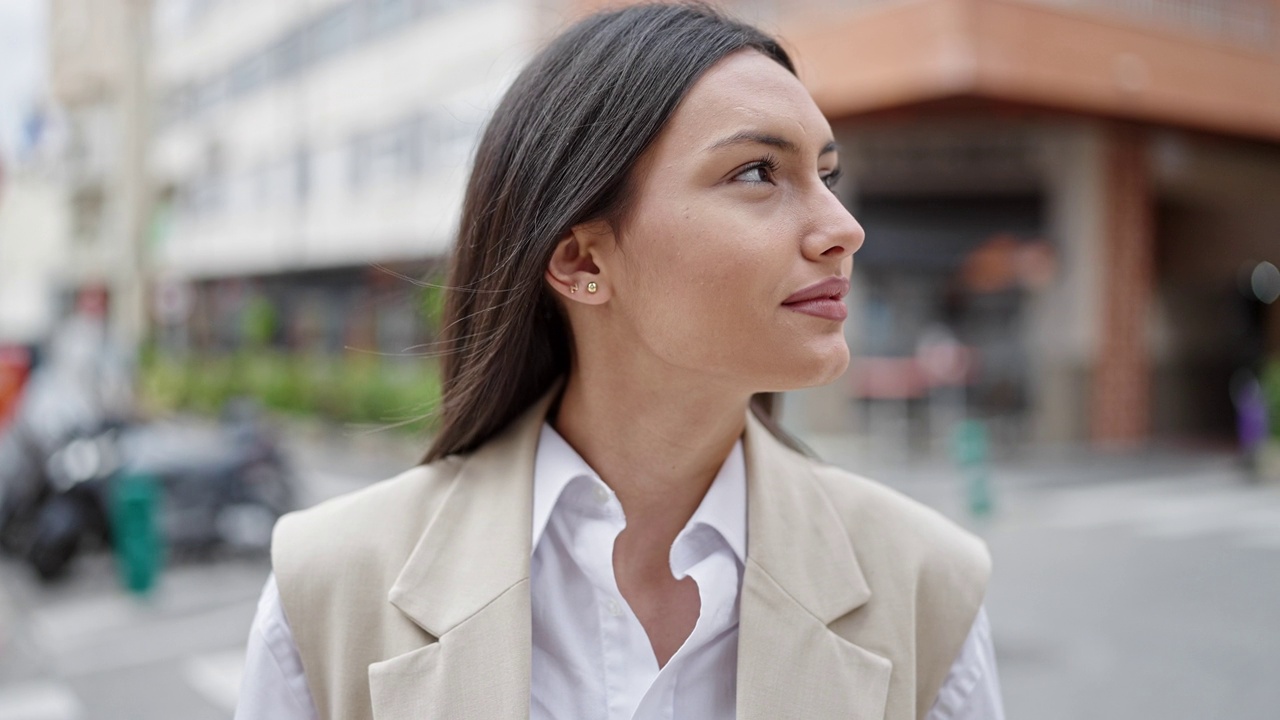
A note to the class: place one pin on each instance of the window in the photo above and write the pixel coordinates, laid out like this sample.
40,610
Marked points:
301,174
334,31
289,55
209,94
202,196
249,73
178,104
385,15
392,152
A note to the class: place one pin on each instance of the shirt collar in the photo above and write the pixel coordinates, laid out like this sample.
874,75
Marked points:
723,508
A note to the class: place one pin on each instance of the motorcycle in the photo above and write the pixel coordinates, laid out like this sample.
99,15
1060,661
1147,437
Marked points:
217,488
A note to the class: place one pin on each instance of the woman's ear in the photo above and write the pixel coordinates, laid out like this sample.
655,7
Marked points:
578,269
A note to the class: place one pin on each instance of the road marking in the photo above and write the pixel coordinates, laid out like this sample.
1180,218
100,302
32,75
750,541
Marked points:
68,623
216,677
41,700
1214,504
1261,538
145,643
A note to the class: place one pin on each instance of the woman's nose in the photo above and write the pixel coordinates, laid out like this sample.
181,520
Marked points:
835,234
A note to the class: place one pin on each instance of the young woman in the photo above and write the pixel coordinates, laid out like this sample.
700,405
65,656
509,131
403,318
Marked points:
609,524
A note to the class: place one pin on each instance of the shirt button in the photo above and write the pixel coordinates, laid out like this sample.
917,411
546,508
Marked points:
602,495
614,608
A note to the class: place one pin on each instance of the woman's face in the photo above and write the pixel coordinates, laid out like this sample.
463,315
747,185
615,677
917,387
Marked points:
731,215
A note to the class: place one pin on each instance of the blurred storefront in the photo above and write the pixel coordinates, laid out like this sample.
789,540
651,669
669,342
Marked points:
319,311
1073,200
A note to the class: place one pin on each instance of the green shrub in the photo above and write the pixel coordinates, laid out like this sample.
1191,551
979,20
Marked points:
164,382
346,389
258,322
431,302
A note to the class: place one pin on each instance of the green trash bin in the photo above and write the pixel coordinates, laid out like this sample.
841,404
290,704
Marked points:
971,448
138,544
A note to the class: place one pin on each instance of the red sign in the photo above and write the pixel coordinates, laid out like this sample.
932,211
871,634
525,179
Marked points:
15,364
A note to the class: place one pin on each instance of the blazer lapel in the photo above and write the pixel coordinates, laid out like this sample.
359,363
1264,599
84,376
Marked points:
467,585
801,574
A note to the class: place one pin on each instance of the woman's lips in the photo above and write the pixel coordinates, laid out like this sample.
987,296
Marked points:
828,308
824,299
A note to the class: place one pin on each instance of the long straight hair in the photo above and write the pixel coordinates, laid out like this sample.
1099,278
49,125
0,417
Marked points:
559,151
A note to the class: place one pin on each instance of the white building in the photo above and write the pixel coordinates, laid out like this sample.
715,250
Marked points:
34,250
300,143
97,54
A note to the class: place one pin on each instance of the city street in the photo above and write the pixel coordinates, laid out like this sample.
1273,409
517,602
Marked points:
342,218
1117,594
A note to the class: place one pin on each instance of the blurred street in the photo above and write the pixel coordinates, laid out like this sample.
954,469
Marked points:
1152,596
84,649
1064,321
1123,589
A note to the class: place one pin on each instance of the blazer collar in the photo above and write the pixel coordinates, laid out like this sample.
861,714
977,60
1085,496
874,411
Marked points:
794,534
802,574
478,544
467,584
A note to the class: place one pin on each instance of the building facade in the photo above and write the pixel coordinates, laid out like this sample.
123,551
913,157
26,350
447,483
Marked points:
1125,156
313,153
97,77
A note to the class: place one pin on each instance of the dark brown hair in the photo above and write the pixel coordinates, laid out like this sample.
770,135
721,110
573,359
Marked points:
558,152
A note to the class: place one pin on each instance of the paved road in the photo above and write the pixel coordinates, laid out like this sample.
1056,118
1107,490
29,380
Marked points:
1146,595
1145,599
1122,589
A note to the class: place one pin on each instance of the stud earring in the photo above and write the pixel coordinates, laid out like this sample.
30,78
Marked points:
592,287
574,289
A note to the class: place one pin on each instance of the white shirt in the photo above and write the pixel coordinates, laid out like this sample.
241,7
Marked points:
600,664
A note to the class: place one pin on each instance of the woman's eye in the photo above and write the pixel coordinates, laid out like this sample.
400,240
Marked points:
761,172
831,178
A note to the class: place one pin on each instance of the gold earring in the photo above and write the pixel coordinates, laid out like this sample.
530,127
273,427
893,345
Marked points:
592,287
574,289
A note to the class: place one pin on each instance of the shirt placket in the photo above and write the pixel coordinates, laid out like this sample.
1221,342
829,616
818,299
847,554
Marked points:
716,577
625,679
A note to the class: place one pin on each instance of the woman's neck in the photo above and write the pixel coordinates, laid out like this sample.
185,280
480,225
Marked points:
658,445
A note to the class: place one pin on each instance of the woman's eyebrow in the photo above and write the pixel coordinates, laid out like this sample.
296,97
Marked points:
762,138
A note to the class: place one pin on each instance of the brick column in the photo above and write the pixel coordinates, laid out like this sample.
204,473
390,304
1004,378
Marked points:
1121,396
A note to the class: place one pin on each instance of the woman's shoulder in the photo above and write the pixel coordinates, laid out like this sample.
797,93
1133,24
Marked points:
381,519
877,515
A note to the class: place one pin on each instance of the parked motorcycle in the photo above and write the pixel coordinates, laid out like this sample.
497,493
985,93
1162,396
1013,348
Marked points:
218,487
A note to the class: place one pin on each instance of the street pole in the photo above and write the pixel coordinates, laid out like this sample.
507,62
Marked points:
128,275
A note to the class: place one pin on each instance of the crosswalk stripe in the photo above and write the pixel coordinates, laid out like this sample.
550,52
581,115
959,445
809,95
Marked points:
1169,510
216,677
39,700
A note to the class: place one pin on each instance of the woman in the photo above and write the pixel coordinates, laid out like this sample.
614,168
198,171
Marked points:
607,525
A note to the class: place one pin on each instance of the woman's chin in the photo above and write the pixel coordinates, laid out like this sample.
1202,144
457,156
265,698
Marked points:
835,367
815,369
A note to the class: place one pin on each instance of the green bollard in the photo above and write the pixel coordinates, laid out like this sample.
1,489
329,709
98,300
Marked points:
135,507
970,446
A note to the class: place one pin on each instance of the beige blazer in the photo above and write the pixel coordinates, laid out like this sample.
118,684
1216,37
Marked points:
409,599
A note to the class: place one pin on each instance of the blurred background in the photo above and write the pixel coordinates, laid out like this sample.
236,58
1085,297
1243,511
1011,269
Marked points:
220,222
